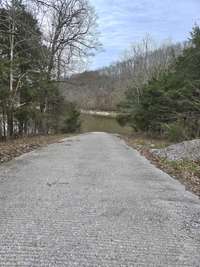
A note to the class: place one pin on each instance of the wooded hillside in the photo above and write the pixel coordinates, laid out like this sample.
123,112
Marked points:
104,89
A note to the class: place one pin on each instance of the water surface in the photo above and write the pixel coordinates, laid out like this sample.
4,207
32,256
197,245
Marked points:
96,123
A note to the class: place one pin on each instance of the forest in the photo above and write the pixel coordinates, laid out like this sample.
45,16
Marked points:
105,88
154,88
41,41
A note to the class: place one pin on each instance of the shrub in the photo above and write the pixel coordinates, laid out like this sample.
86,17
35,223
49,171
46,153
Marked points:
123,119
71,122
175,132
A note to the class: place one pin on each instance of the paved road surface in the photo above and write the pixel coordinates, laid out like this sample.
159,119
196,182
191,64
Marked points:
93,201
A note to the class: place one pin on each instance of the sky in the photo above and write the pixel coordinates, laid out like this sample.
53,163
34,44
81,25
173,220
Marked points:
122,22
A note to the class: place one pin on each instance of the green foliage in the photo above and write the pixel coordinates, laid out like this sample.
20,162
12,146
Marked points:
169,104
35,105
71,122
175,131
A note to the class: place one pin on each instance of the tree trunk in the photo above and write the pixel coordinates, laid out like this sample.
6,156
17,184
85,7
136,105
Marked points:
12,43
10,128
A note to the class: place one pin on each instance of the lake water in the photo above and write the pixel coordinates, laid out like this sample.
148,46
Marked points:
96,123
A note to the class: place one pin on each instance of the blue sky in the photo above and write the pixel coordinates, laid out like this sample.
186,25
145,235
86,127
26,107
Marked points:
122,22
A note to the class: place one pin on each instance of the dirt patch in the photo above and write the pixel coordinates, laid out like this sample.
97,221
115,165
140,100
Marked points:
185,170
15,148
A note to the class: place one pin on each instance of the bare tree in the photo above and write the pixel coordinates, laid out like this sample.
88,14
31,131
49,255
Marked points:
70,27
105,88
145,60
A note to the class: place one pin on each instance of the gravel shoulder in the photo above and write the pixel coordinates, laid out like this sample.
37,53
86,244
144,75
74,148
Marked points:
181,161
92,200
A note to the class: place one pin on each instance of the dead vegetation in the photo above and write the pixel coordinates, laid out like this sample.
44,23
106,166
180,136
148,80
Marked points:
17,147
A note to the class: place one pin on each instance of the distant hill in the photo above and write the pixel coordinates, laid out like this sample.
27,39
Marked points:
104,89
93,90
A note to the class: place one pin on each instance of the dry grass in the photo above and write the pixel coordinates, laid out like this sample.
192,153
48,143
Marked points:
140,141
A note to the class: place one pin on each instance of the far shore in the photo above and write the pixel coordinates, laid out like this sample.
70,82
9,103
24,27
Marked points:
111,114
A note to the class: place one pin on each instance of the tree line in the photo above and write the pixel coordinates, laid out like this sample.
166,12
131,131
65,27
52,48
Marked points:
155,88
41,41
105,88
166,103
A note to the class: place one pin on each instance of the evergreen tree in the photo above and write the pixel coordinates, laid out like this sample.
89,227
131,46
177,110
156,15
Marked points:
172,99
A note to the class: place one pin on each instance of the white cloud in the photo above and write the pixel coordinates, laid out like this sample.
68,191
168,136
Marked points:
124,21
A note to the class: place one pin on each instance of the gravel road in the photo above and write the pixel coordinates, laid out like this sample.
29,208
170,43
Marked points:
91,200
